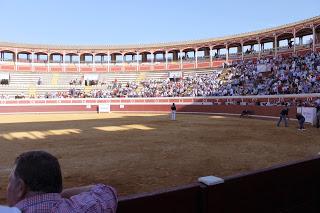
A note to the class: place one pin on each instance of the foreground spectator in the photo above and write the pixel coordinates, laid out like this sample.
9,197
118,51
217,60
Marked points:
5,209
35,185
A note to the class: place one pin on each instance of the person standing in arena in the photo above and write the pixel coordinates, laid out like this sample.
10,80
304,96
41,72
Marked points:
284,116
173,112
301,121
35,185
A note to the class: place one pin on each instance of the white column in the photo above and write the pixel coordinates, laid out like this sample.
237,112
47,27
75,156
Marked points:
108,64
259,46
210,53
227,54
241,51
294,40
137,61
32,61
196,56
167,59
123,64
64,61
152,62
314,39
93,62
48,61
32,57
181,59
16,59
79,65
152,58
275,46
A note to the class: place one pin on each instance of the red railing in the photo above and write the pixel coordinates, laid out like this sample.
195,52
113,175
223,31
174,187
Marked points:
216,100
25,65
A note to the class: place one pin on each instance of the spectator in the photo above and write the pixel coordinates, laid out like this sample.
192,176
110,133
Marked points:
35,185
39,81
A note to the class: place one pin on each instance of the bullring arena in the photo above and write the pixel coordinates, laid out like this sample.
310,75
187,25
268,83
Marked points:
51,97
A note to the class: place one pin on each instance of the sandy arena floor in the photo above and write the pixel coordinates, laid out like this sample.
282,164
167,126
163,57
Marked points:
145,152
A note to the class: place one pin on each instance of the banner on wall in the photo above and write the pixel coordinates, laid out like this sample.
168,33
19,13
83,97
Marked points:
4,76
309,113
104,108
175,74
91,77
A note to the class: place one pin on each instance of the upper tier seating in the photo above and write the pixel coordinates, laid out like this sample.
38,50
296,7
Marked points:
267,76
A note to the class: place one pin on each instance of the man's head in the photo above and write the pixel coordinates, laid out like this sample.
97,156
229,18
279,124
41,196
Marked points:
34,172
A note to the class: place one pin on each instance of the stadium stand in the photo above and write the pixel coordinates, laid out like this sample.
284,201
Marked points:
271,67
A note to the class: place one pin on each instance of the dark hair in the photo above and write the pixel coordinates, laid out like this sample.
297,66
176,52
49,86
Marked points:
40,171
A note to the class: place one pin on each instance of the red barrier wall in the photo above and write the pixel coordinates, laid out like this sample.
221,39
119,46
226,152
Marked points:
284,188
188,104
290,188
184,199
229,109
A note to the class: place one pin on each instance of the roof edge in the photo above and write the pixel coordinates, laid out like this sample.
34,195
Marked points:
153,45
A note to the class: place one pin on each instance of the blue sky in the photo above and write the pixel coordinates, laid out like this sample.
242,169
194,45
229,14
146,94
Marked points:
142,21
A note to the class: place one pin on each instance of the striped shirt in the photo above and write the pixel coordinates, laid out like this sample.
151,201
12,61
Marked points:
100,198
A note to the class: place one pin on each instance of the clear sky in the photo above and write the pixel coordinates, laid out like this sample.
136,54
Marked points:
142,21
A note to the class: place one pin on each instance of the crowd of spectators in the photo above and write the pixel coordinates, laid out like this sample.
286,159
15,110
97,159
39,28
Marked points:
291,75
190,86
115,89
281,75
75,82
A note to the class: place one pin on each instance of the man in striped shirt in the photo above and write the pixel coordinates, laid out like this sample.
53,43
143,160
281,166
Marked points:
35,185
